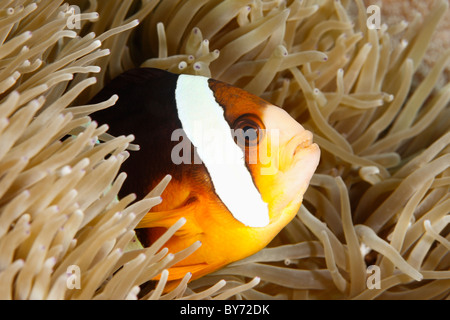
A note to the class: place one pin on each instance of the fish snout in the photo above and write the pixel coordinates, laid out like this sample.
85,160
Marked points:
295,143
300,142
297,148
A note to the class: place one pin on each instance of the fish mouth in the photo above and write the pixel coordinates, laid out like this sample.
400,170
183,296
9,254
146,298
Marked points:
300,143
300,161
298,148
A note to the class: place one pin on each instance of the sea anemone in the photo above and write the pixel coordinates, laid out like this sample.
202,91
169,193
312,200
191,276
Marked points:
373,223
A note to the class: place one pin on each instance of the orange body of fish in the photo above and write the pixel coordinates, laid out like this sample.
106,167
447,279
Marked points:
239,165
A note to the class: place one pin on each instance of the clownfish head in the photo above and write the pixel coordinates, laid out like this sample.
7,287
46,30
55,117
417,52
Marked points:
279,154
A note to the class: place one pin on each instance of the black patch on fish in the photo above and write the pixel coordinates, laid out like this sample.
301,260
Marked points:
147,109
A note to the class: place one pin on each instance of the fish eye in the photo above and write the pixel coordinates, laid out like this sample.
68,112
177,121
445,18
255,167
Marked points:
247,130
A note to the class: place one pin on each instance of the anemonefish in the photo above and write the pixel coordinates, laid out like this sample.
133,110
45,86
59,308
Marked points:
238,183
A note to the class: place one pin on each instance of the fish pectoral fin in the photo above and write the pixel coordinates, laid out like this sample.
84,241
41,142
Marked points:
159,219
177,273
197,271
165,219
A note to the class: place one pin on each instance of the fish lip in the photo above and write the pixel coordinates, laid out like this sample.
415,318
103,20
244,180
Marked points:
301,169
295,149
300,142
